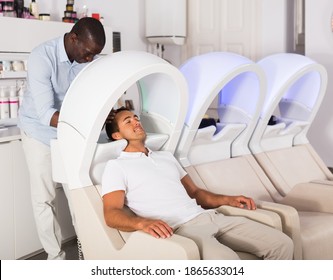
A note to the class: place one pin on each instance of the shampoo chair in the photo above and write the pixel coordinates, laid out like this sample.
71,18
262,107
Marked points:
218,158
79,155
295,89
81,152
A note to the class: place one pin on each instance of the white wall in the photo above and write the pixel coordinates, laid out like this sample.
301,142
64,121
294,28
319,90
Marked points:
274,28
126,16
319,46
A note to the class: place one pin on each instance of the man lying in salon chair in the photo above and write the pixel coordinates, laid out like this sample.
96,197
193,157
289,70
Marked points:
166,201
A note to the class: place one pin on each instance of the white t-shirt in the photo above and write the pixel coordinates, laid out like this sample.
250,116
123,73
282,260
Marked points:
152,186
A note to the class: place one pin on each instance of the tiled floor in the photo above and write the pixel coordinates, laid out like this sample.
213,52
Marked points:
70,247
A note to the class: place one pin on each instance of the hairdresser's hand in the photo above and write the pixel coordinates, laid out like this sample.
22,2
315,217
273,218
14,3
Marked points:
156,228
242,202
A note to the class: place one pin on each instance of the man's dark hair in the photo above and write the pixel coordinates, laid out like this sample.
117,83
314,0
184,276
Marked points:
111,124
90,28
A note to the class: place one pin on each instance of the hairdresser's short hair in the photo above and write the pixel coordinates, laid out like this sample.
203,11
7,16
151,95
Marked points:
90,28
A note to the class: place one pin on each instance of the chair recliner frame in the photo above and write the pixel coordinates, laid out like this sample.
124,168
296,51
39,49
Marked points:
296,87
93,93
241,85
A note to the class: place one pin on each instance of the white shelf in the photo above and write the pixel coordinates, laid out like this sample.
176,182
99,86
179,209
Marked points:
13,74
26,34
8,122
10,134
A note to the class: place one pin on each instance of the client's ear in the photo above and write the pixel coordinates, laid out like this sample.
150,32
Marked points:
116,136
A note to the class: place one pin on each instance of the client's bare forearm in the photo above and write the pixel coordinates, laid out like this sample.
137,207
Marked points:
123,221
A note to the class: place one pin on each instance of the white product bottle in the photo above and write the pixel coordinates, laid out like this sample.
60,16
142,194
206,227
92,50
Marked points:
83,11
1,94
34,9
4,104
21,93
13,102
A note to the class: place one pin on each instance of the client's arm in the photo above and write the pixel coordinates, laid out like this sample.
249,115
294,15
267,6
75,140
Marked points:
211,200
116,217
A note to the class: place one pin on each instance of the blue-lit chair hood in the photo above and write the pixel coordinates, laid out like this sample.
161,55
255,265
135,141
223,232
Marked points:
238,85
295,88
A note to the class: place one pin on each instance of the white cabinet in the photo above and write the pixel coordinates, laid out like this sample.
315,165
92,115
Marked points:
26,238
18,235
7,235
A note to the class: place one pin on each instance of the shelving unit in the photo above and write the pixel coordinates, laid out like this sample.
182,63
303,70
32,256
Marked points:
12,78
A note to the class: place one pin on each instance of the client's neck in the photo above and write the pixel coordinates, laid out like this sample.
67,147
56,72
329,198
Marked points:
135,147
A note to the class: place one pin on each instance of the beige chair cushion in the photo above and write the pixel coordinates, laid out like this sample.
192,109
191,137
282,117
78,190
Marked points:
242,175
291,166
317,235
102,242
311,230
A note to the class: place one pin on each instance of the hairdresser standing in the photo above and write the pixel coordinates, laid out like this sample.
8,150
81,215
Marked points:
52,66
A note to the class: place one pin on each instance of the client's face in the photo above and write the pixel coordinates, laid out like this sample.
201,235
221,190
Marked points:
130,127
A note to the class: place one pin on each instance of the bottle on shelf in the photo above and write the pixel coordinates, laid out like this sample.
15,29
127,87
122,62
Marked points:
83,11
21,92
70,15
13,102
19,7
34,9
4,104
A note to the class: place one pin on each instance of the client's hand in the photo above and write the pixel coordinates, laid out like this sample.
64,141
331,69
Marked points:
242,202
157,228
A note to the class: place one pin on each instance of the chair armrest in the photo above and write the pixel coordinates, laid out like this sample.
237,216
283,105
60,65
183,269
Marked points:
141,245
100,242
314,197
323,182
290,223
260,215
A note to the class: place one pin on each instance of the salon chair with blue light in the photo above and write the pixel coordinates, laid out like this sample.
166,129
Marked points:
296,86
217,157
